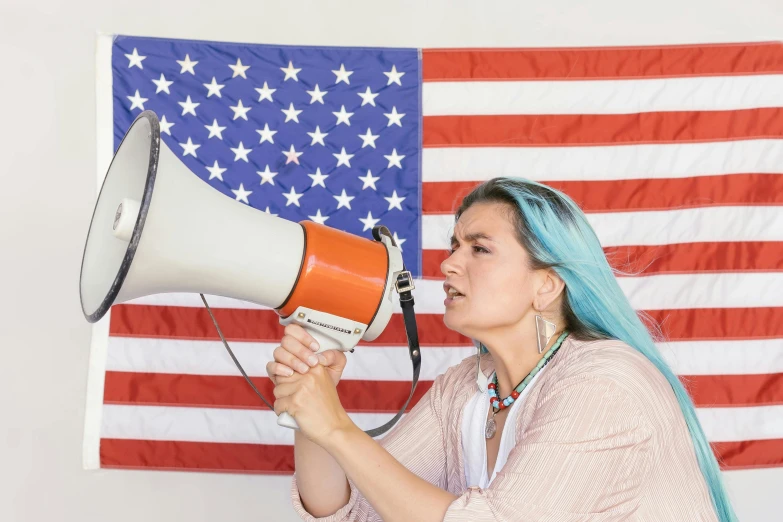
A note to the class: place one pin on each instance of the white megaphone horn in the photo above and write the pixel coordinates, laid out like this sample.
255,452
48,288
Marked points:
157,228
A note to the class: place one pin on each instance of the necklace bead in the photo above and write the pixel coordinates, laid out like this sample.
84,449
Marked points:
493,388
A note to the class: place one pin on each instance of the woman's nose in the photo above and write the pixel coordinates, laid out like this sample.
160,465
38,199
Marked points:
450,265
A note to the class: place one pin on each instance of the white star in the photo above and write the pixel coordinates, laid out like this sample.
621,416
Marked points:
394,76
189,107
266,134
398,241
267,176
135,59
394,201
215,129
240,152
343,200
369,222
214,88
394,159
240,111
290,72
189,148
292,156
265,93
268,212
163,84
394,117
187,65
239,69
369,138
343,117
318,136
368,97
216,171
369,180
291,114
292,197
316,95
342,75
242,194
318,218
343,158
318,178
165,126
137,101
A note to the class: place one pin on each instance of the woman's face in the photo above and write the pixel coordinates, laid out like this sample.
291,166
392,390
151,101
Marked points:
490,271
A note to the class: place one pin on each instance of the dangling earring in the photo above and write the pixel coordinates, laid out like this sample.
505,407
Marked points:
544,332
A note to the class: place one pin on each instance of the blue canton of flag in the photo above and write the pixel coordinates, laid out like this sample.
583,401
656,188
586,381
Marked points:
325,134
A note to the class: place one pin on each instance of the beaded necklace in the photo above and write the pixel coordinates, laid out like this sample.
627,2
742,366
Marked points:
498,405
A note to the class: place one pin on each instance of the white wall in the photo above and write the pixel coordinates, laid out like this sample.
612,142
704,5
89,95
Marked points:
48,169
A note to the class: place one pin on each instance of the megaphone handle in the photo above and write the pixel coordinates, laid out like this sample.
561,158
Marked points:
325,342
284,419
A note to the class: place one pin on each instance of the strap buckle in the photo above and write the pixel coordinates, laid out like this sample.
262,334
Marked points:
404,282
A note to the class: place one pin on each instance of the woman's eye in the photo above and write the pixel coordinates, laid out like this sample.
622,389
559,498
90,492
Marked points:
480,250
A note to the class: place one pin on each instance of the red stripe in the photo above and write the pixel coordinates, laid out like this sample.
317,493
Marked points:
444,197
226,391
197,456
720,324
603,62
540,130
684,258
182,322
269,459
174,322
367,396
749,454
735,390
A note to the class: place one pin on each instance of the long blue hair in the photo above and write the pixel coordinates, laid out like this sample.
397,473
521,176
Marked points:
556,234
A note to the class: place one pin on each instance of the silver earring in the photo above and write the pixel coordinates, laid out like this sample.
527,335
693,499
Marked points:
544,332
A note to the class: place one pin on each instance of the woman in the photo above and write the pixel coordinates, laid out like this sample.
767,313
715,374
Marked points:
581,419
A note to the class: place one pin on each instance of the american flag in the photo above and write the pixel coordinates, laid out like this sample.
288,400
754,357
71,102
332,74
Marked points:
674,152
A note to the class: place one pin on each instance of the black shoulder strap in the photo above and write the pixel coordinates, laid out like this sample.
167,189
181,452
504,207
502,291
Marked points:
404,287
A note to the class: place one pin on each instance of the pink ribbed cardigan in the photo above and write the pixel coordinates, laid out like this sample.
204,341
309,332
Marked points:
600,438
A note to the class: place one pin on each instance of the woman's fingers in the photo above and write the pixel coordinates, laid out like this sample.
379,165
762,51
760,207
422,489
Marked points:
301,335
274,369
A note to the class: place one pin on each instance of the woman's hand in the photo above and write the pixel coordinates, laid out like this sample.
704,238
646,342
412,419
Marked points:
297,353
312,400
305,383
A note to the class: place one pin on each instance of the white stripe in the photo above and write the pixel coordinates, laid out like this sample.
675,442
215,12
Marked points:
706,93
260,426
392,363
387,363
208,424
757,356
91,442
655,292
738,424
661,227
612,162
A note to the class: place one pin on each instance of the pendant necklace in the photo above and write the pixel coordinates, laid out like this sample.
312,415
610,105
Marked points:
497,405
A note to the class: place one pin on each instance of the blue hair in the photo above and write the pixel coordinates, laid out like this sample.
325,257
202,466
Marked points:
556,234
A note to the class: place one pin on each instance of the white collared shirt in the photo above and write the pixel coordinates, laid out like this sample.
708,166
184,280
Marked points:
474,443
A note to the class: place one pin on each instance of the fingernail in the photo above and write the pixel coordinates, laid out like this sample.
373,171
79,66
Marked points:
289,372
321,358
314,346
302,367
313,360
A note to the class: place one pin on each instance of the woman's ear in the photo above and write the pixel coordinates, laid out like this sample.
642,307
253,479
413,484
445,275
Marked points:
549,289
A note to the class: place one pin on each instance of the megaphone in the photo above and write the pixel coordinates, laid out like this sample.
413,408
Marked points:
157,228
